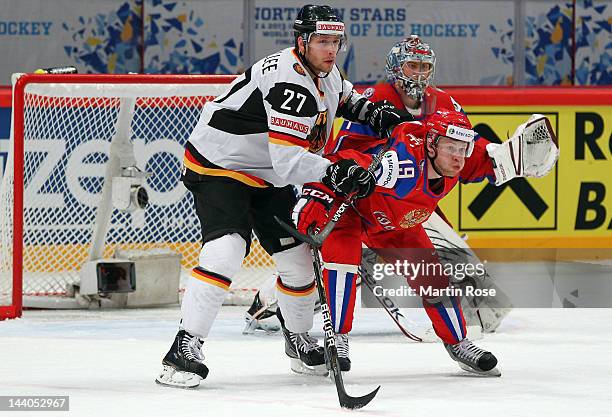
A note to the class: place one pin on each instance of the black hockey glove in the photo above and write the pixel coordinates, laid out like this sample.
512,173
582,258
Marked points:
346,176
384,116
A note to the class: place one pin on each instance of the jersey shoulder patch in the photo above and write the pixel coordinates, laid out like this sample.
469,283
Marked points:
298,68
398,170
456,105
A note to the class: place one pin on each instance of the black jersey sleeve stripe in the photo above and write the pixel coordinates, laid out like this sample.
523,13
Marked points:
237,86
237,123
253,106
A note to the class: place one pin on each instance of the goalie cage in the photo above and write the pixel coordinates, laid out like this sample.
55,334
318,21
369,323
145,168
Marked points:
52,186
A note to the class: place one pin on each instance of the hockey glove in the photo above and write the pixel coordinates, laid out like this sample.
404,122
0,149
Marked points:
531,152
384,116
346,176
312,209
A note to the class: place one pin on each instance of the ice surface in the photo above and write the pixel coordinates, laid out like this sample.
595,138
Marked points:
554,362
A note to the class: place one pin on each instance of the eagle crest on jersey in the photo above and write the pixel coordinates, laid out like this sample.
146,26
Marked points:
318,133
414,217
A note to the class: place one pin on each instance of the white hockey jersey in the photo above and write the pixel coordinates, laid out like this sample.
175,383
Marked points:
271,126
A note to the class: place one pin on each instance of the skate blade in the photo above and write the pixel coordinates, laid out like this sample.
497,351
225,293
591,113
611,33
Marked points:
491,372
300,367
170,377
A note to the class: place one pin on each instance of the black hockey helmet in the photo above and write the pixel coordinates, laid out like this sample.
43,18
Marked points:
311,14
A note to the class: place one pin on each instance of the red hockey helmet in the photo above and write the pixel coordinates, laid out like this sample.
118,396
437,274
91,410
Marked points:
453,125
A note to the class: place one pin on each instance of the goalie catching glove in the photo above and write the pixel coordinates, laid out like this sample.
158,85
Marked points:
532,151
312,209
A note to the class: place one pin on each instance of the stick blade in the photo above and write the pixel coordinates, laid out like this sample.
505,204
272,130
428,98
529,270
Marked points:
354,403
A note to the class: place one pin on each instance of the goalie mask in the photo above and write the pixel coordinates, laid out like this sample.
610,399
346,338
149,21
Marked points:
412,63
449,133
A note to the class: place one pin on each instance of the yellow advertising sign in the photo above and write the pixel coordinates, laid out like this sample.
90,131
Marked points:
570,207
520,204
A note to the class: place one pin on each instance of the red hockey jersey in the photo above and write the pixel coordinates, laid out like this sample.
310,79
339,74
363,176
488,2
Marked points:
403,197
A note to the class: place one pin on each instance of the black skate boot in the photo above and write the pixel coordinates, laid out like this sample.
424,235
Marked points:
258,312
342,346
473,359
183,365
307,357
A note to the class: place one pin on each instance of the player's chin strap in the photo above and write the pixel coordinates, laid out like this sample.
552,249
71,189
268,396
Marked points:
433,160
303,58
433,164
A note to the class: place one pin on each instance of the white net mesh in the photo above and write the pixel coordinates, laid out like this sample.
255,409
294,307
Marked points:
68,129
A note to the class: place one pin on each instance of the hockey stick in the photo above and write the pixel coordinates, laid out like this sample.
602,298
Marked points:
346,401
315,241
387,303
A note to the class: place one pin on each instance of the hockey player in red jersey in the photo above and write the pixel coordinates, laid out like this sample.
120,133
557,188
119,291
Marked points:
426,160
410,68
424,163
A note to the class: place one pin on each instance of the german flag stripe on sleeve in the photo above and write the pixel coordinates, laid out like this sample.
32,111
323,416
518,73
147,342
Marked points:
284,139
295,292
211,278
251,180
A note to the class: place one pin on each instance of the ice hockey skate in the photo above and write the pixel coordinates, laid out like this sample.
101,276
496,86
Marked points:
473,359
342,346
307,357
183,365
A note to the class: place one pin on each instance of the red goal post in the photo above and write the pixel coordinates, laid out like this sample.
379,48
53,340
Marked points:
52,187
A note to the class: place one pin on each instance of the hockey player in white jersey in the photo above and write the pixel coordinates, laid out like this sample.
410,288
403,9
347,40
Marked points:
250,144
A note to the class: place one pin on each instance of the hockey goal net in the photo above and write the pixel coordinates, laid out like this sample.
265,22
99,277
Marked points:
62,130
